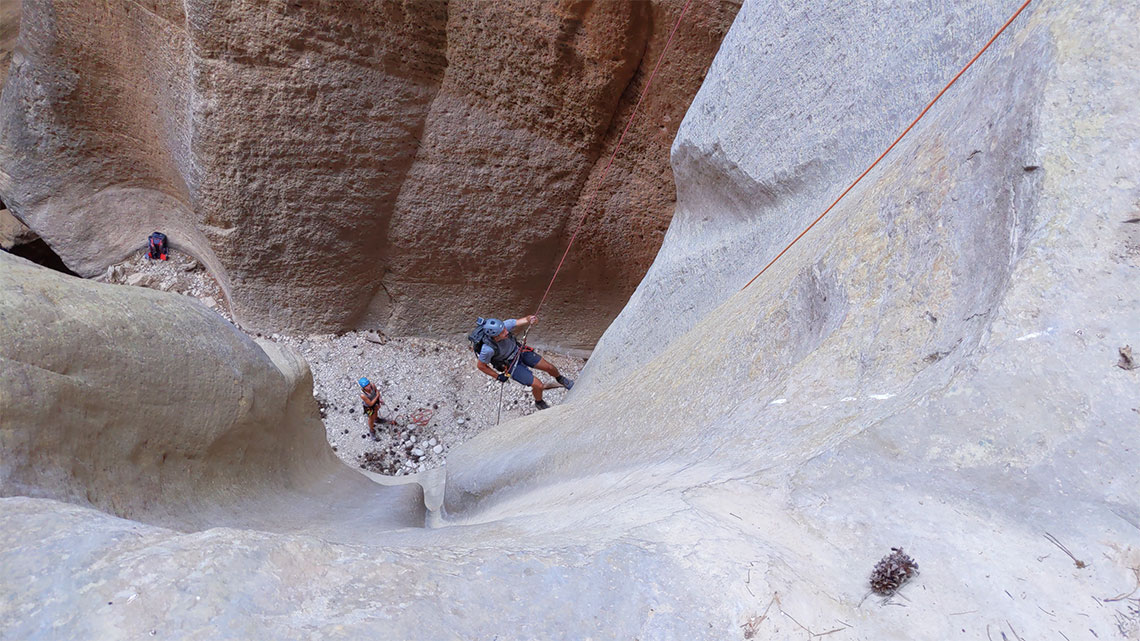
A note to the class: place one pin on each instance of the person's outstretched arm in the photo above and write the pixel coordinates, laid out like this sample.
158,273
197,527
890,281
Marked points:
525,322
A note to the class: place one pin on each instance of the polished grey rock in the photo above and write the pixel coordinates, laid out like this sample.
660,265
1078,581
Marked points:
935,369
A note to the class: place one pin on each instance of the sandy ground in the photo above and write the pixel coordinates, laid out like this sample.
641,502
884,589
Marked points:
434,398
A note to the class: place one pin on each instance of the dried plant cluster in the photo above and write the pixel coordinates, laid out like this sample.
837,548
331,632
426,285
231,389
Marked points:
892,571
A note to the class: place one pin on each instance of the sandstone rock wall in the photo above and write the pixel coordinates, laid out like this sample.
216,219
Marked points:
405,165
94,131
937,371
12,231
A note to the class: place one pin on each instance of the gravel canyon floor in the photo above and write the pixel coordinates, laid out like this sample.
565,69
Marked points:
434,398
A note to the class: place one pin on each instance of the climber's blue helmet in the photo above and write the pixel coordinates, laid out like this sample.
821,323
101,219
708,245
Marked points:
491,326
364,382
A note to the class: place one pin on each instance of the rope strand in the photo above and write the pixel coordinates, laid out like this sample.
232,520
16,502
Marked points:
882,155
645,92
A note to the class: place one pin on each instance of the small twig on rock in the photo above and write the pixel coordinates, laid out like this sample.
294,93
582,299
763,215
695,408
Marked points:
751,626
807,629
1052,539
1121,597
775,598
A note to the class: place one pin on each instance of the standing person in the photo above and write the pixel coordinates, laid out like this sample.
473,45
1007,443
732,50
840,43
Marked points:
498,348
370,397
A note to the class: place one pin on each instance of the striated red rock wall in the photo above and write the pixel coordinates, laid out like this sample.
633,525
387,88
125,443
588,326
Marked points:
634,205
310,118
399,165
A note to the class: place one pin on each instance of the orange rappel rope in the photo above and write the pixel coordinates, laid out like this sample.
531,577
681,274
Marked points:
645,91
905,131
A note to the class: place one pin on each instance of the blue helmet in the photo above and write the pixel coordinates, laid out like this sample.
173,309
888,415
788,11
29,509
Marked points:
491,326
364,382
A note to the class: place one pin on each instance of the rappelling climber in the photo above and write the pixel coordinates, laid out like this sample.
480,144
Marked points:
497,348
370,397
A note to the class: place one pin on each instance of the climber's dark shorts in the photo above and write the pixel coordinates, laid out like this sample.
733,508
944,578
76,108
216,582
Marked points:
521,372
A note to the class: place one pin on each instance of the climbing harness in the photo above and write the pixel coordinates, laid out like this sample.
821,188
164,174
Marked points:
510,371
593,195
882,155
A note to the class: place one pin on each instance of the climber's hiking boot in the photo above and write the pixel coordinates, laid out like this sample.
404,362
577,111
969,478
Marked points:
541,405
565,382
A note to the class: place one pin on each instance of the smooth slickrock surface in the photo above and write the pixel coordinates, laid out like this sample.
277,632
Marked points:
788,117
392,166
936,371
150,405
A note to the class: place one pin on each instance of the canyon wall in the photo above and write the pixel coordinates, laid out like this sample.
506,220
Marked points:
405,166
937,366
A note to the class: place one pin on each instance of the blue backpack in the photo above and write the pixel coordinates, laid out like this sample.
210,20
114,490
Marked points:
479,338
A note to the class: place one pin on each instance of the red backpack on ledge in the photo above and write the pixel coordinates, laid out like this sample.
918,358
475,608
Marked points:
156,246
